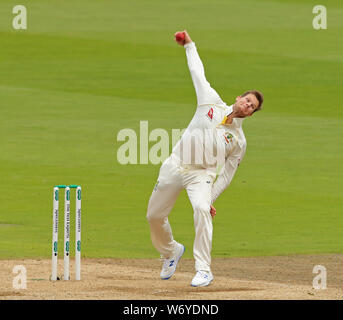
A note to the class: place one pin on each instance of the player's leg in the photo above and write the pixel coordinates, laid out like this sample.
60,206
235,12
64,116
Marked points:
161,202
199,193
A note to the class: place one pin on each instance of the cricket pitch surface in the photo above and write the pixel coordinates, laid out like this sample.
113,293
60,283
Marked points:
257,278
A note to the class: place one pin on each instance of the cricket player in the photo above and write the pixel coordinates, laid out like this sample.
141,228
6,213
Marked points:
203,162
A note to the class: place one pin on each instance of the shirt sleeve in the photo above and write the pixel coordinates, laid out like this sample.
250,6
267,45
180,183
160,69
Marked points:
226,176
205,93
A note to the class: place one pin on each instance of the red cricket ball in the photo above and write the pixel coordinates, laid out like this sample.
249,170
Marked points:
180,36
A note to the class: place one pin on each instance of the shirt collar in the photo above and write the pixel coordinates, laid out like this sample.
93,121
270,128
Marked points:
236,122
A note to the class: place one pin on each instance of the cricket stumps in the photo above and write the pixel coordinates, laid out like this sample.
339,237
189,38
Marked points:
66,258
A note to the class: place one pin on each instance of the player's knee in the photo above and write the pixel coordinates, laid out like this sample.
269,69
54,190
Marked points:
152,210
152,216
149,216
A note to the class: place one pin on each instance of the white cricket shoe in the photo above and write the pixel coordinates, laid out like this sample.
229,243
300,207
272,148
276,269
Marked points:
202,279
169,265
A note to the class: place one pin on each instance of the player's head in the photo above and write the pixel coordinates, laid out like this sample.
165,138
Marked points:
249,102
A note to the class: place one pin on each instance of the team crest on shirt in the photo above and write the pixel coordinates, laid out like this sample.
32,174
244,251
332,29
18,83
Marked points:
210,114
228,137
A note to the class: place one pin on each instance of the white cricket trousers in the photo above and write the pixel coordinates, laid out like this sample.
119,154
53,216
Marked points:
198,184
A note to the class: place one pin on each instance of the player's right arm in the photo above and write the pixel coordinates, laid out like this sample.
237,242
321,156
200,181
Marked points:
205,93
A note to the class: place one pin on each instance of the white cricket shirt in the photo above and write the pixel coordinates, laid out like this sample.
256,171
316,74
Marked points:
208,143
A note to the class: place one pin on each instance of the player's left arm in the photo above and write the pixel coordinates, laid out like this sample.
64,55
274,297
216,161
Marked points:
227,174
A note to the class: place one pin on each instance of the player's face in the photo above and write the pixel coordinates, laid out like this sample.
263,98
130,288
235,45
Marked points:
246,105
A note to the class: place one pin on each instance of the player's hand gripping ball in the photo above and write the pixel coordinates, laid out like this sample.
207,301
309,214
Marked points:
180,36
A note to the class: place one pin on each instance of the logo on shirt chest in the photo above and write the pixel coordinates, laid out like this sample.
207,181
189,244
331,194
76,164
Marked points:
210,114
228,137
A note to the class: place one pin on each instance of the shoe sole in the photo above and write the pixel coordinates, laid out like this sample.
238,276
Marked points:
184,249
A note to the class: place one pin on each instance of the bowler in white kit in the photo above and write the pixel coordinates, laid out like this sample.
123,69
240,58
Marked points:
203,162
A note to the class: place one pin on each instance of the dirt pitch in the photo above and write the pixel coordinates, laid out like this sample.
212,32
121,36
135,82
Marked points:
285,277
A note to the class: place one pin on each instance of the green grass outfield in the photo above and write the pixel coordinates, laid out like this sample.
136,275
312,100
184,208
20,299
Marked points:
84,70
